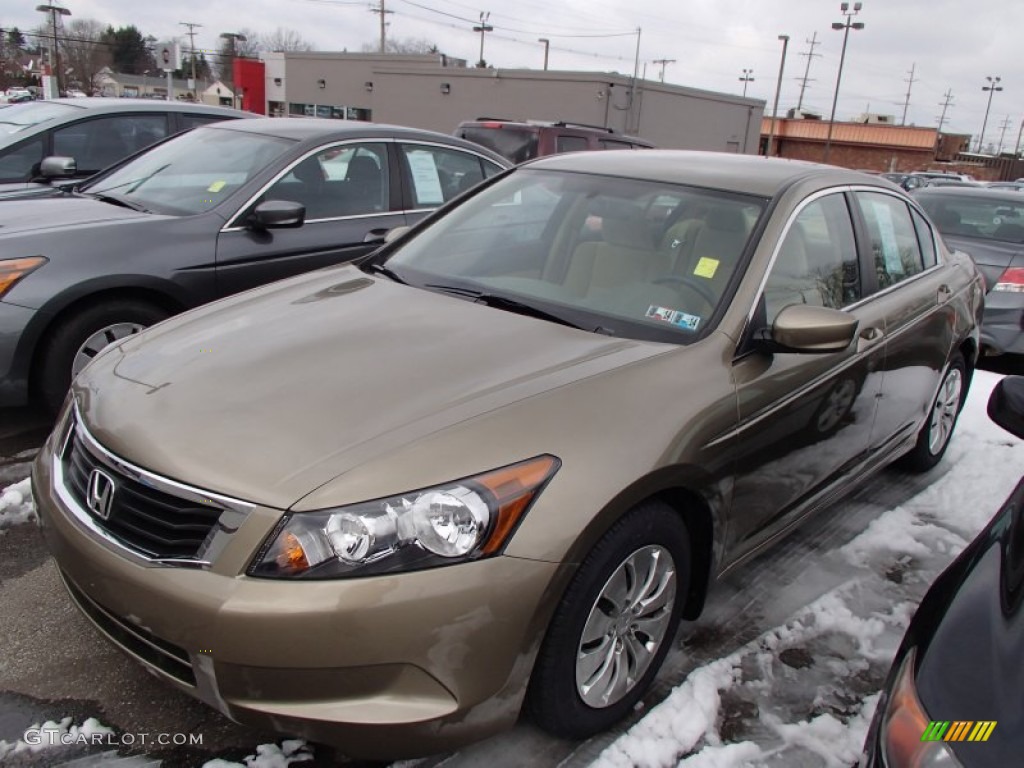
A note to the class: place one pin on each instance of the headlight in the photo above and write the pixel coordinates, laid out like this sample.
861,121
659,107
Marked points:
12,270
904,724
462,520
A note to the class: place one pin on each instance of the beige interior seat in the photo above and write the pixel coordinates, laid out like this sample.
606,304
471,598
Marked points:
716,250
625,254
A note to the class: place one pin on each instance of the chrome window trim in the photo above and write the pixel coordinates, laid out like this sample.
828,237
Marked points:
235,510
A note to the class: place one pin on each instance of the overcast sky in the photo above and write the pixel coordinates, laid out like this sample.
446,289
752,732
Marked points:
952,44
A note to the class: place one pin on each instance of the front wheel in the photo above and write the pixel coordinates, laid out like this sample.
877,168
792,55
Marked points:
614,625
933,439
79,338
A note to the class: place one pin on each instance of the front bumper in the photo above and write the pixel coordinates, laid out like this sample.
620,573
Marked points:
383,667
1002,329
14,320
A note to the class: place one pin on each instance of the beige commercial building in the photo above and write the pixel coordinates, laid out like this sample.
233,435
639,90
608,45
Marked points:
436,92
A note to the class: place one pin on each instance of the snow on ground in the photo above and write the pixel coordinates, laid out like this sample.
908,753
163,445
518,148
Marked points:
797,694
16,505
270,756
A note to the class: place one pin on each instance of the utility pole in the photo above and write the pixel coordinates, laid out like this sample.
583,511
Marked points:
1002,134
746,77
54,11
813,42
632,91
663,62
945,104
910,84
381,10
547,44
1016,147
192,50
483,28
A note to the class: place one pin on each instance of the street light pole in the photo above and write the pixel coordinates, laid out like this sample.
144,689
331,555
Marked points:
746,78
992,87
547,44
778,90
54,11
846,25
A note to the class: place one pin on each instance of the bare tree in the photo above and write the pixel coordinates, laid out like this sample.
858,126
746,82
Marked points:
404,45
282,39
84,53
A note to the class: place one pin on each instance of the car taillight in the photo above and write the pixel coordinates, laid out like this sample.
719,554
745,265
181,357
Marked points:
1012,281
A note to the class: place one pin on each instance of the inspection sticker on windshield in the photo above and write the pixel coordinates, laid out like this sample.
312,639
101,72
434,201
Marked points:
217,186
706,267
673,316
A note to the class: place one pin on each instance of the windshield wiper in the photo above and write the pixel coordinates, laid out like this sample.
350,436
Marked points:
382,269
506,303
115,200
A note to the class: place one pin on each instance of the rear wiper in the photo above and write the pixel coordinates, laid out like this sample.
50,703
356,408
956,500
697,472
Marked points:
506,303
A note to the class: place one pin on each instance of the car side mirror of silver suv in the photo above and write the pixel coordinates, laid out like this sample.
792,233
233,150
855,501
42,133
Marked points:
57,167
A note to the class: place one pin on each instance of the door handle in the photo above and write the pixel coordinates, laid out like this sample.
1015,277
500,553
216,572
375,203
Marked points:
869,337
944,293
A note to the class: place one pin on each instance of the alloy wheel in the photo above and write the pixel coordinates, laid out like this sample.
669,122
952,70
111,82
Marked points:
102,338
947,404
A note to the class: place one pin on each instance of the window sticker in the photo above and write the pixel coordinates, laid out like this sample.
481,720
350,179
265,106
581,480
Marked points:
673,317
425,178
706,267
217,186
887,233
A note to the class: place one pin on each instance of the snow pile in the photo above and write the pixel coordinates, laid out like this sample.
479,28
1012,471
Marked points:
270,756
16,505
52,735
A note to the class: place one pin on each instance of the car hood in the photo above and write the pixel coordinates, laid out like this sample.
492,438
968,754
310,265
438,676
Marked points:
25,189
19,216
267,395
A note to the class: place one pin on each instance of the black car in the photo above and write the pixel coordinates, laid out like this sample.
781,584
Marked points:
93,133
214,211
953,697
989,225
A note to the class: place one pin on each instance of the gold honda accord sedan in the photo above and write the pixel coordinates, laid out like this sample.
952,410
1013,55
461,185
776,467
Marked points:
488,470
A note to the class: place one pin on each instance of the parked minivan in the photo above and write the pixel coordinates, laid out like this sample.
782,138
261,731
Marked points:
520,141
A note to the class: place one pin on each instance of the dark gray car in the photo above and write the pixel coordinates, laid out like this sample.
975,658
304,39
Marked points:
214,211
94,133
989,225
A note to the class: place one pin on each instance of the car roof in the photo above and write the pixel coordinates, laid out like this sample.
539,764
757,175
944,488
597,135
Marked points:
111,104
984,193
749,174
318,128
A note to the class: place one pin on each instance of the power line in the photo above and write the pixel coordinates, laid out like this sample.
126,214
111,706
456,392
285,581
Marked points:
945,104
383,25
813,42
910,84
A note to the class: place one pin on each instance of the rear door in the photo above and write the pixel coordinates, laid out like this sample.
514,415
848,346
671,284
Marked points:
913,293
433,174
352,199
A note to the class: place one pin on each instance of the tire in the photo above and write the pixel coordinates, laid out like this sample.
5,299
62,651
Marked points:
81,336
595,626
937,430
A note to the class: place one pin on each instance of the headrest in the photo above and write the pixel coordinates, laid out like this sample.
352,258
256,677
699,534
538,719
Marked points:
627,232
727,219
362,169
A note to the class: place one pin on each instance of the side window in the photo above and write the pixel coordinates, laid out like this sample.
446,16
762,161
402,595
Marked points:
613,144
18,163
490,169
95,144
892,236
349,180
925,239
570,144
817,262
439,174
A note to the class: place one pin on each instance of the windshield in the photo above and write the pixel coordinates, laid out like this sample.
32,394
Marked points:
191,173
986,219
630,258
18,117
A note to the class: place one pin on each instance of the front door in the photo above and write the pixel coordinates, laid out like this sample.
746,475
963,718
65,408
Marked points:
350,205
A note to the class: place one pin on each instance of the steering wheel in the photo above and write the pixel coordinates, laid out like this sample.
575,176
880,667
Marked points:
701,289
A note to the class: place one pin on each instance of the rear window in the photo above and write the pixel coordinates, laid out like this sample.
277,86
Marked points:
986,219
515,144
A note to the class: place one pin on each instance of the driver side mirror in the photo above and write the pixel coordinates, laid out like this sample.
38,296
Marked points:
809,329
56,167
277,214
